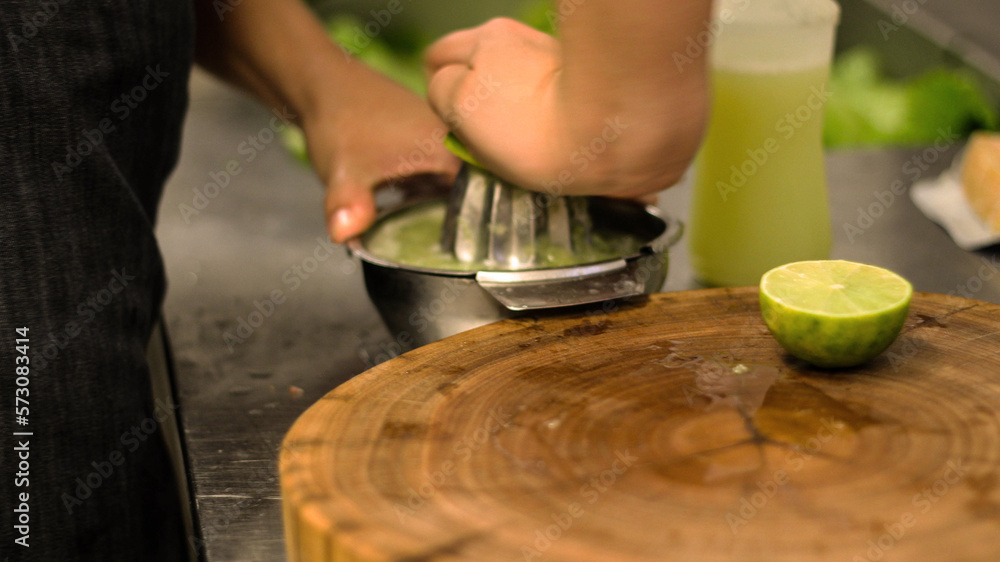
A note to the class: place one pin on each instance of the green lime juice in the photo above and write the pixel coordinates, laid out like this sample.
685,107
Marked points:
412,237
760,198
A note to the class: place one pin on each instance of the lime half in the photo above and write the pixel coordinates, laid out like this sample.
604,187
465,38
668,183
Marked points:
457,147
834,313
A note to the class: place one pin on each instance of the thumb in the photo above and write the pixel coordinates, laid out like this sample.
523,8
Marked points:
444,88
350,210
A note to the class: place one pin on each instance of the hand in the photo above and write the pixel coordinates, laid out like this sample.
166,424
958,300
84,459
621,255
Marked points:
361,128
377,132
598,112
495,86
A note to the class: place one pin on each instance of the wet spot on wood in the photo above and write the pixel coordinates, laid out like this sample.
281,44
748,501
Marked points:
930,322
348,525
402,430
983,485
587,328
446,388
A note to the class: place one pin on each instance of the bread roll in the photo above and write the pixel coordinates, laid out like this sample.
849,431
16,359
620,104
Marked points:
981,177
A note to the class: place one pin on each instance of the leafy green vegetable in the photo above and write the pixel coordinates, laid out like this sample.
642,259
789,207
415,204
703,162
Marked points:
867,109
541,15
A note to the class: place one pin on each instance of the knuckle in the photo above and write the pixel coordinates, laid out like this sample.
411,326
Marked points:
501,26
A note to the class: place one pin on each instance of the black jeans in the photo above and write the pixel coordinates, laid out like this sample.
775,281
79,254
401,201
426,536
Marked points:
92,97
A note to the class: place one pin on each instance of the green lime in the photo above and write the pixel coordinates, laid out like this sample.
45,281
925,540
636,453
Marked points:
834,313
457,147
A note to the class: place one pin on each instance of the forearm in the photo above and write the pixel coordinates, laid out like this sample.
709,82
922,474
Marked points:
619,67
361,128
275,50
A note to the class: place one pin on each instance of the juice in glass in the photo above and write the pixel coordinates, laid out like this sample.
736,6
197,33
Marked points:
760,198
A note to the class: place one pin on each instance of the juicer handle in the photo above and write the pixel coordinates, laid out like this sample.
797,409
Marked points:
571,286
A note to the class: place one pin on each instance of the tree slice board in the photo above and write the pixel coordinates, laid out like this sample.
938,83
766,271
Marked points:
672,427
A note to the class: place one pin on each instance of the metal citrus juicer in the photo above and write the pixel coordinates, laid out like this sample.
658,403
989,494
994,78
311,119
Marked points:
493,222
508,237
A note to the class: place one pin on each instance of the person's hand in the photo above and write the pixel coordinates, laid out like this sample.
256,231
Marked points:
496,86
598,112
378,131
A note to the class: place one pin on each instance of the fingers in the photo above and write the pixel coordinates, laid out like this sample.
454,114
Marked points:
444,87
454,48
448,63
350,210
461,47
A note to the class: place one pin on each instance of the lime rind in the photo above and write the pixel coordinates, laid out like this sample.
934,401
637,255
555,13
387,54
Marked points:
846,342
457,147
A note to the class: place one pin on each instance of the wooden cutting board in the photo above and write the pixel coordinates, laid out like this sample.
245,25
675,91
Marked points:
669,428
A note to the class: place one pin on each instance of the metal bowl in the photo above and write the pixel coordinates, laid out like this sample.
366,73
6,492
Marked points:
422,305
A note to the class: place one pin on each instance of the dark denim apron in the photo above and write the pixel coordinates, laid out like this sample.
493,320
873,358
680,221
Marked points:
92,98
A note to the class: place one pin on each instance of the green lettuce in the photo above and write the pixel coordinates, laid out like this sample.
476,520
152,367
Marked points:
867,109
